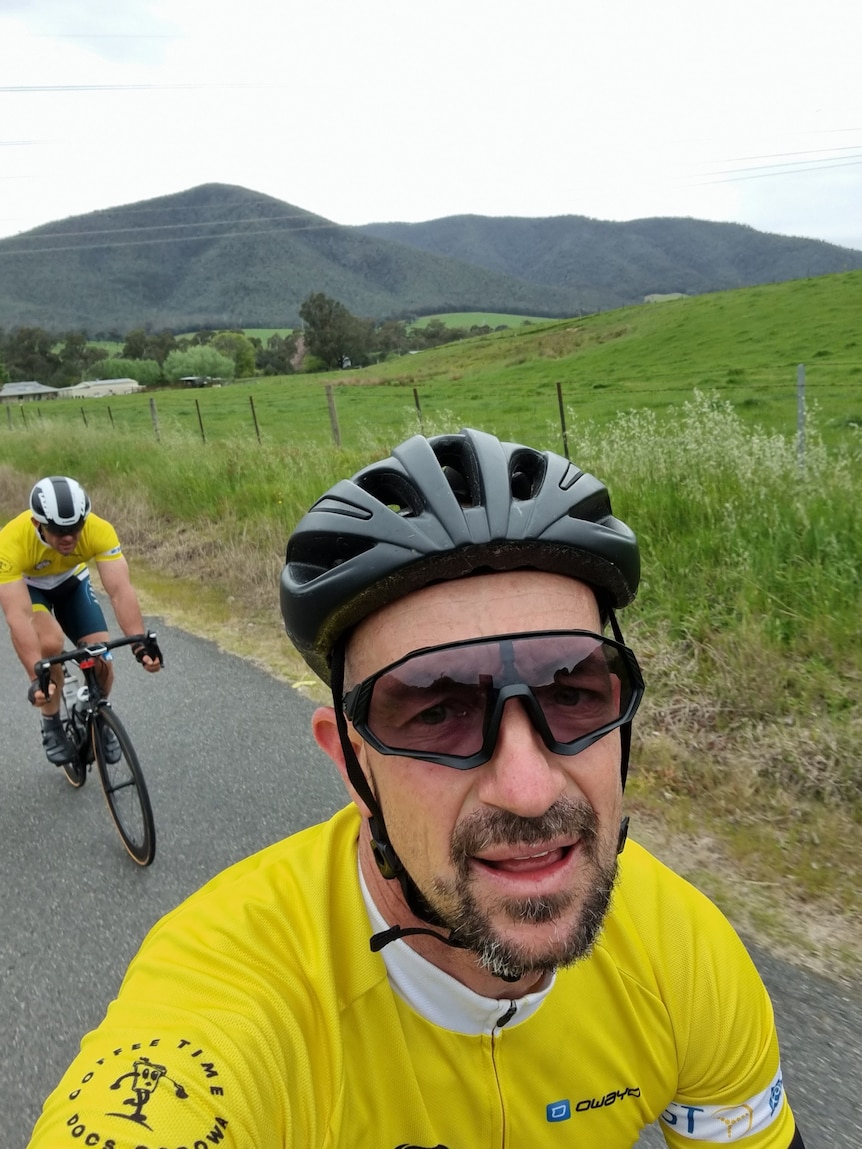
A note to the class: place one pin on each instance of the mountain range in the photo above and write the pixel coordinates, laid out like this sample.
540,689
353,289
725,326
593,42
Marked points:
224,256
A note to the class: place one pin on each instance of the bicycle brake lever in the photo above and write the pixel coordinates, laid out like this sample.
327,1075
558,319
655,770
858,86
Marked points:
43,676
153,648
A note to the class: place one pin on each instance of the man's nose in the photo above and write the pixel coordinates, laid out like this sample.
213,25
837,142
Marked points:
522,775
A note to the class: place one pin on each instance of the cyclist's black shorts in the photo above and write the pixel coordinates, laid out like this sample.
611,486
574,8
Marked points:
74,605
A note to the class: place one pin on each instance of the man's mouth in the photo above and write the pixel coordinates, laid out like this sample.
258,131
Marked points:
527,861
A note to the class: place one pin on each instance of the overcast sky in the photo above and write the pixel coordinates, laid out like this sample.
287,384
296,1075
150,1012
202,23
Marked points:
367,110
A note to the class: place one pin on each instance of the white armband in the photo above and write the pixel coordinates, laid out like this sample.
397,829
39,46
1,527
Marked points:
727,1124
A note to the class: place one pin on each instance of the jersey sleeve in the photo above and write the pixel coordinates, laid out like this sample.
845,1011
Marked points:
215,1037
11,552
730,1087
100,540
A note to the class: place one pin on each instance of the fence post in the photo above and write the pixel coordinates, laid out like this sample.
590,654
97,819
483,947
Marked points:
563,420
154,415
333,416
111,417
800,416
84,417
23,414
9,417
418,411
200,420
254,417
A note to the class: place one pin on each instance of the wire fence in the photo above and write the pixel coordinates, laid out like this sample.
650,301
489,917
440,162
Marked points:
318,411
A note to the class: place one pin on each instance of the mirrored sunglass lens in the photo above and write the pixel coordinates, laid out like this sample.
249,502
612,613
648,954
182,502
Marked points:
445,716
585,696
440,702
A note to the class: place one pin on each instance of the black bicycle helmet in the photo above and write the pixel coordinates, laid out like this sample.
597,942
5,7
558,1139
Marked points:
59,503
443,508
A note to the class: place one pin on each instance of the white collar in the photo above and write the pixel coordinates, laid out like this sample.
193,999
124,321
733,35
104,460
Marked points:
441,998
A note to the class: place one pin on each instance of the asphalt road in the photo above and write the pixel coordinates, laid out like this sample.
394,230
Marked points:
231,767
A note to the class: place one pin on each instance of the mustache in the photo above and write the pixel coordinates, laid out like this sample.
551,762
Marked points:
478,832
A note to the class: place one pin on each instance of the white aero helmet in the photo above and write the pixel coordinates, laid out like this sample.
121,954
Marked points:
59,503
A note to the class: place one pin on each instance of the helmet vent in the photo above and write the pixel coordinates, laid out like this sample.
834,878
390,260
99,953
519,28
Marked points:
458,464
526,474
458,483
311,558
595,508
393,491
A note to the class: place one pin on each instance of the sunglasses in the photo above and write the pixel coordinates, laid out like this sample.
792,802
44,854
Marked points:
445,703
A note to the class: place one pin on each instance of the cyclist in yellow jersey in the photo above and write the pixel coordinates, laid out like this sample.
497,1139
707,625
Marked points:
45,593
471,955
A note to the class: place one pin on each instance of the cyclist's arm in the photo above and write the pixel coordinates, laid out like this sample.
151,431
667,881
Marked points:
18,609
118,586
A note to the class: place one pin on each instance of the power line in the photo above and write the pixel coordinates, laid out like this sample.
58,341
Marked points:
173,226
165,239
809,164
24,88
772,170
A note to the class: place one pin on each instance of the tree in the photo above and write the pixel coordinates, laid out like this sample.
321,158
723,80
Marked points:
77,357
238,348
277,357
29,354
142,344
391,337
144,371
332,334
198,362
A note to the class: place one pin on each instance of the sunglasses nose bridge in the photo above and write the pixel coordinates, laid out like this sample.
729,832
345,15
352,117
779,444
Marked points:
524,694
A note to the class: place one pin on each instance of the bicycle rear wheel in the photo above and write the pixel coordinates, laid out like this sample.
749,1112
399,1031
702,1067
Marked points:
76,772
124,787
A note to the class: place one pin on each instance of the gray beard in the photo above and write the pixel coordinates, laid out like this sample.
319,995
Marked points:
472,926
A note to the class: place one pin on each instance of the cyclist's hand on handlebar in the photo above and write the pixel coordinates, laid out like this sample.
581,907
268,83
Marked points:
148,654
39,693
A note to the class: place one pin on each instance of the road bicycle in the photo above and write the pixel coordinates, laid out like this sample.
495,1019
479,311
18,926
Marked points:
86,714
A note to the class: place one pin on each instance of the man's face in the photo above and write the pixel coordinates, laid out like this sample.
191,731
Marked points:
519,854
62,541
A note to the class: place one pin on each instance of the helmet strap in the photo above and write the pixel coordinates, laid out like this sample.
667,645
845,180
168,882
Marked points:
626,728
624,833
388,862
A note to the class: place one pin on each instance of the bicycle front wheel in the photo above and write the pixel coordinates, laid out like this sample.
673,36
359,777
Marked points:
124,786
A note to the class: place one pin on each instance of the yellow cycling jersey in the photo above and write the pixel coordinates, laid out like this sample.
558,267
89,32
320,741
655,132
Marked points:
23,554
255,1015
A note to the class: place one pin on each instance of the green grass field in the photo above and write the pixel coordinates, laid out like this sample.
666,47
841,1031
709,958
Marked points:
741,346
264,333
470,319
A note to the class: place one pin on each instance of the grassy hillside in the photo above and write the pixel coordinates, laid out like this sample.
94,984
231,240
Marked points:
741,346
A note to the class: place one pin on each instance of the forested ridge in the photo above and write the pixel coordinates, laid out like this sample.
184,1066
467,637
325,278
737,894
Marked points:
219,256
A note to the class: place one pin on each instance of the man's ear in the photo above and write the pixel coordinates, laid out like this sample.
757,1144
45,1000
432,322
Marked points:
325,730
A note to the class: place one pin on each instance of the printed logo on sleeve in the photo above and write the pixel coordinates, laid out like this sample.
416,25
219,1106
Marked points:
135,1089
727,1123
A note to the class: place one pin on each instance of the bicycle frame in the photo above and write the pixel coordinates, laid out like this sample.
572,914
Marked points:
96,734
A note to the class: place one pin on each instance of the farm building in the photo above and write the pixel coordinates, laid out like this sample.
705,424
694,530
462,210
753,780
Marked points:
97,387
26,392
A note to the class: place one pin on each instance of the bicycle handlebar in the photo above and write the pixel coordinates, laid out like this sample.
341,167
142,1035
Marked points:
42,668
